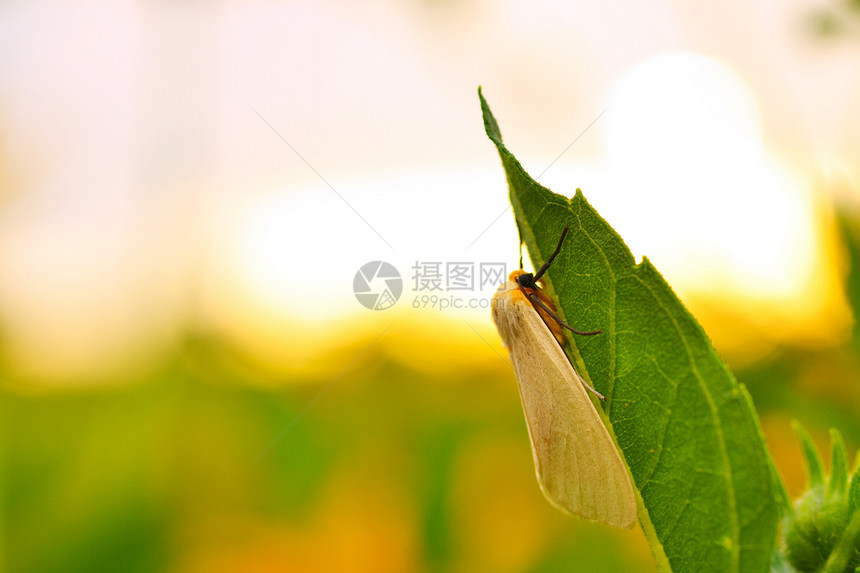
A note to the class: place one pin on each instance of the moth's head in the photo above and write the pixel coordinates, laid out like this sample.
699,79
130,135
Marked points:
523,279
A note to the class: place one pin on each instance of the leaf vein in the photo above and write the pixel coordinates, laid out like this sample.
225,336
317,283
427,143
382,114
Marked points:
735,530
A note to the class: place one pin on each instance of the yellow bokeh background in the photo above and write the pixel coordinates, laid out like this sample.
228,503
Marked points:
187,191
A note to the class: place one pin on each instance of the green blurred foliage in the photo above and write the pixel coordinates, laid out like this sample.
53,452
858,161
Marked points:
819,386
839,19
393,469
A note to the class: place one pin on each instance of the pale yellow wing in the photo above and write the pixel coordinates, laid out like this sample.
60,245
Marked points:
578,466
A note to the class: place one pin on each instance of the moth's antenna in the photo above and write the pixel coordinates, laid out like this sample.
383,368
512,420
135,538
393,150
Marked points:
548,262
558,319
534,298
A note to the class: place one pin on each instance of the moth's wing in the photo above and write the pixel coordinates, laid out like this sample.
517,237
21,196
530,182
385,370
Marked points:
578,466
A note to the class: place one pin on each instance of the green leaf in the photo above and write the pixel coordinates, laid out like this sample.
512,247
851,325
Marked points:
686,428
813,465
838,481
854,491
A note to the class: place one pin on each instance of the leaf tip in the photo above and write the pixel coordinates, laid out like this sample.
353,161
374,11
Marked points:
490,125
814,466
838,481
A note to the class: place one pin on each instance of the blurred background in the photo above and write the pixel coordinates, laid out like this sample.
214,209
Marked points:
189,192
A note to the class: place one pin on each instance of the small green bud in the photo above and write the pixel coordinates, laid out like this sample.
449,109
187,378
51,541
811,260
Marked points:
818,524
823,532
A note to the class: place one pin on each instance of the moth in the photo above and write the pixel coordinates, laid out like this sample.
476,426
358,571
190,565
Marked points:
577,464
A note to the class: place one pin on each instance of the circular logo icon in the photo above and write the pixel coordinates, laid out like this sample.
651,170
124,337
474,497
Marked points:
377,285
